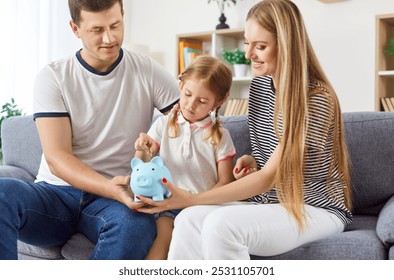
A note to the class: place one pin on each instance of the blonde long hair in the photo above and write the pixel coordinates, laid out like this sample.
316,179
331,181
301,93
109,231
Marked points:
297,67
216,77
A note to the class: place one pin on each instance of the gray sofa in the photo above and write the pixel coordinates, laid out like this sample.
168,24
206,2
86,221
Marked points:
370,138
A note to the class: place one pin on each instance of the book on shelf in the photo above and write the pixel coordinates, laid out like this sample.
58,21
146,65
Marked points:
244,109
387,103
236,106
188,50
190,54
228,104
390,104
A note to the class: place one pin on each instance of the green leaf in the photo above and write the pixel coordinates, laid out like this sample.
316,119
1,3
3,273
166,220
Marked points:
390,49
221,3
235,56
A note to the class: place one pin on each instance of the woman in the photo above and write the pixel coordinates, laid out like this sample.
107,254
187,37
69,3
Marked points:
296,183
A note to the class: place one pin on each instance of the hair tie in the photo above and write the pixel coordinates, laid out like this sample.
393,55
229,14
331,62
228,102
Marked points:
217,118
175,108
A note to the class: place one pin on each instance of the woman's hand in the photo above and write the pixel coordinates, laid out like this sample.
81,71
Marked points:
245,165
146,144
179,199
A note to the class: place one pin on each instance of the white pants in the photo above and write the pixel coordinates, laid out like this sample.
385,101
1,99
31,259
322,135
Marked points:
233,231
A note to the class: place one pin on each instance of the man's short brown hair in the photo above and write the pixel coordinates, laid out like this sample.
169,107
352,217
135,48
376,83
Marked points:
76,6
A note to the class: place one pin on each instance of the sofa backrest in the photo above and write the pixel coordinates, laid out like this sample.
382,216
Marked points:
239,131
370,141
369,137
21,144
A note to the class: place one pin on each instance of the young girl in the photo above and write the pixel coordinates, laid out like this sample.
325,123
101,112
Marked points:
195,148
297,178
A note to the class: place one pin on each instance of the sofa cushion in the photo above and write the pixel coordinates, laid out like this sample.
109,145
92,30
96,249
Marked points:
20,141
358,242
31,252
385,225
78,247
7,171
369,137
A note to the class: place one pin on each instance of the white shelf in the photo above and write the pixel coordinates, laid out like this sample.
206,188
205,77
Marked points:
384,84
386,73
330,1
213,42
242,79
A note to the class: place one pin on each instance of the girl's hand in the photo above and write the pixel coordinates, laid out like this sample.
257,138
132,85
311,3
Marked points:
179,199
245,165
146,144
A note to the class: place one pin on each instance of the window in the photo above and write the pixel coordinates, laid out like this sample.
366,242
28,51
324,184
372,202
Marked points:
34,32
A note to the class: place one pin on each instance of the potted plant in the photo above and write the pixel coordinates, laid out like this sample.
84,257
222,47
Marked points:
9,109
390,49
221,5
237,58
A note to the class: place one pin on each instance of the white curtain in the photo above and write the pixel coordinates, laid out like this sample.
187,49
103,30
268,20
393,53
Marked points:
34,32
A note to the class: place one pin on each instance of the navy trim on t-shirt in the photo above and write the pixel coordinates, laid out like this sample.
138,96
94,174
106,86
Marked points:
50,115
169,107
94,71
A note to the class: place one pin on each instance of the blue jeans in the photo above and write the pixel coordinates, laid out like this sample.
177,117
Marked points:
47,215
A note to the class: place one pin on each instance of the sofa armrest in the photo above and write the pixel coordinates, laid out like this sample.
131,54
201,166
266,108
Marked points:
385,224
21,143
8,171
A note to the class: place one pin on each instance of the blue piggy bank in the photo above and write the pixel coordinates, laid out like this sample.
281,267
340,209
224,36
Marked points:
146,178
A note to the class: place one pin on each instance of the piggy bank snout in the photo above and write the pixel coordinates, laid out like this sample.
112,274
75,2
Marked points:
144,180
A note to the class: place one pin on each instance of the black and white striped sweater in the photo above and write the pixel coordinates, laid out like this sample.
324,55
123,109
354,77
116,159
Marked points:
319,143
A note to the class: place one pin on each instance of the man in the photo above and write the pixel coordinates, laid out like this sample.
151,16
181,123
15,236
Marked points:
89,110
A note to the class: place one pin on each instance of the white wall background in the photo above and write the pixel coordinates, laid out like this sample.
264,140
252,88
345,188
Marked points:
342,33
36,32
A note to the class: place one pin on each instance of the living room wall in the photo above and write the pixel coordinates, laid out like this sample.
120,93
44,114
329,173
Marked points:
342,33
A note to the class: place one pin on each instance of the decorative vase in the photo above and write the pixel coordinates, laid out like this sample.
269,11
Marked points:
241,70
222,24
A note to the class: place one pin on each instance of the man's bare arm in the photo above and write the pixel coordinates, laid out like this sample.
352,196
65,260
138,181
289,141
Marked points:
56,140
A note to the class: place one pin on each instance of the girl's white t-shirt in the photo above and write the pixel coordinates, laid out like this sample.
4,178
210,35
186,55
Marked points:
191,159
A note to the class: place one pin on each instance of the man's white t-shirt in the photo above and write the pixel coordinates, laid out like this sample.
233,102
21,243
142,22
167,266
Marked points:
107,110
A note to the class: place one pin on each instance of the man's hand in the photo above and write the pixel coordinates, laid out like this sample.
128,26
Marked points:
123,193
